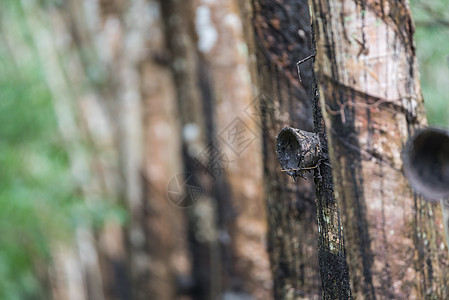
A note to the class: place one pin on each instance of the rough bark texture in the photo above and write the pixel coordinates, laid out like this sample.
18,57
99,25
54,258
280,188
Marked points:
331,249
281,34
371,97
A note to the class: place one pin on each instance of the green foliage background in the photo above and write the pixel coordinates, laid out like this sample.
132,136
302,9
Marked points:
39,204
432,46
34,177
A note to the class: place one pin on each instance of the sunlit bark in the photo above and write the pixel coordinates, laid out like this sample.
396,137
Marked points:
371,98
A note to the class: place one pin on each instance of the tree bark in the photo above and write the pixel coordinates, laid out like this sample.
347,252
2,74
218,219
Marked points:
201,215
280,35
124,42
372,102
225,85
70,270
209,67
115,95
334,271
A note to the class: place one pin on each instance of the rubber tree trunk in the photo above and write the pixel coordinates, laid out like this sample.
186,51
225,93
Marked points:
123,42
371,98
116,96
201,215
282,35
334,271
227,225
70,269
235,166
279,35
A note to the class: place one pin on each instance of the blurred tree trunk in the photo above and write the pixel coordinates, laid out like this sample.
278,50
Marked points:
163,224
372,102
202,212
104,63
227,225
70,270
143,104
114,57
225,84
280,35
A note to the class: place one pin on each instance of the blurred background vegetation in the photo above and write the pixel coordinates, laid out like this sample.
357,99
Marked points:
432,44
35,191
38,202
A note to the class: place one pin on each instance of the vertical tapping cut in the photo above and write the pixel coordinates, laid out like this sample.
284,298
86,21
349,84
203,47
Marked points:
426,163
297,151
